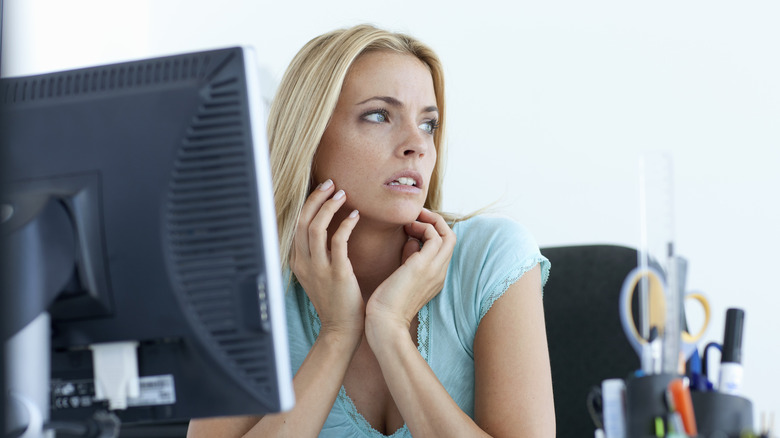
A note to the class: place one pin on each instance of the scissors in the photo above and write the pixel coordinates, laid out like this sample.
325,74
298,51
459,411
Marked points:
656,311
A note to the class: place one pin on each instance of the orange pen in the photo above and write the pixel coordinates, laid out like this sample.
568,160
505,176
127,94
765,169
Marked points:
682,403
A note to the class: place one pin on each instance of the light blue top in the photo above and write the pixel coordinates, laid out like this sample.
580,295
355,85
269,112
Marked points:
491,253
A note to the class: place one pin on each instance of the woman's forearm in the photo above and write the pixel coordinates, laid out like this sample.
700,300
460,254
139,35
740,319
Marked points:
316,385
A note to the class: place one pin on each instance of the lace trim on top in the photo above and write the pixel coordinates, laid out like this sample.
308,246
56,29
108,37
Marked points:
510,279
423,346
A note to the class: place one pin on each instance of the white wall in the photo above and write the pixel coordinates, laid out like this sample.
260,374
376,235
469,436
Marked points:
550,105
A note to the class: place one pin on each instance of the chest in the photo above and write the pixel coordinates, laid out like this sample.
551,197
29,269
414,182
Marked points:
366,386
364,399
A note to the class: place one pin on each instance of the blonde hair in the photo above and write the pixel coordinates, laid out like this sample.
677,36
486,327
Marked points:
305,101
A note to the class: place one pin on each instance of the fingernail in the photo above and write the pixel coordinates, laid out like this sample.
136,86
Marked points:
326,185
339,195
353,214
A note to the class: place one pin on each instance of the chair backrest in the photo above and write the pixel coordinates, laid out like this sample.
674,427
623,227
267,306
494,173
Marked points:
586,341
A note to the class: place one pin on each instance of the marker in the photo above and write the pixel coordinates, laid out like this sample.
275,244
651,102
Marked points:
659,427
730,381
613,394
679,400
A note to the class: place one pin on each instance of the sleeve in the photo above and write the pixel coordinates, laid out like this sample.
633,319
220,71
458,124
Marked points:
493,254
299,335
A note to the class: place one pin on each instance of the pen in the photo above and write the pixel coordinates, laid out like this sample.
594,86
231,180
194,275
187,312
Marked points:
676,424
651,353
655,350
698,381
678,397
613,393
659,427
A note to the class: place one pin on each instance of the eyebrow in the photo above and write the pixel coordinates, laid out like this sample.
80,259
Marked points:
397,103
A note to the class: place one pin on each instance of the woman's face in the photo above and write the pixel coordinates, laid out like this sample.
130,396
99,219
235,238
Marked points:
378,146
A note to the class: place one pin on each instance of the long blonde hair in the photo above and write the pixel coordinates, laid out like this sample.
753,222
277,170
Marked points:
305,101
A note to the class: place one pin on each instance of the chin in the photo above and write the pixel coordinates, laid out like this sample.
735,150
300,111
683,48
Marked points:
406,215
388,210
396,216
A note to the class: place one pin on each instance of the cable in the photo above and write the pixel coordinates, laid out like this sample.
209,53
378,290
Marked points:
102,425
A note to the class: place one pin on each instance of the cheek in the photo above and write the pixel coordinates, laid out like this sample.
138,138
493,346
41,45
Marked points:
321,167
341,158
431,163
330,153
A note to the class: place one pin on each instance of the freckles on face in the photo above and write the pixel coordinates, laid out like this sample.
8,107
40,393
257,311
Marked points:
344,157
378,146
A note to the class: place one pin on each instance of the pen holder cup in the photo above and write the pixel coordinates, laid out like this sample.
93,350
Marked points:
645,401
723,414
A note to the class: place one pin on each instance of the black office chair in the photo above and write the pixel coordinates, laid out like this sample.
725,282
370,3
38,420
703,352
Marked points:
586,341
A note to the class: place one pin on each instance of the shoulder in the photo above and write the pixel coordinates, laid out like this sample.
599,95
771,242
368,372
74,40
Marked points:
491,254
490,234
478,228
496,244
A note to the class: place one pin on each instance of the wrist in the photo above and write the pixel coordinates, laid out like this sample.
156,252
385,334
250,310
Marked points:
345,340
386,331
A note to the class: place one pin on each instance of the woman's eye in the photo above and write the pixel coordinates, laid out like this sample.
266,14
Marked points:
430,126
376,116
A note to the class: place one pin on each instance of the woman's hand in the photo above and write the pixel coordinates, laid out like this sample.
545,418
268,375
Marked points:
325,271
420,277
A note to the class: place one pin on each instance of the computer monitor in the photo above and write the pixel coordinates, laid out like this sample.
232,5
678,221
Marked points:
138,214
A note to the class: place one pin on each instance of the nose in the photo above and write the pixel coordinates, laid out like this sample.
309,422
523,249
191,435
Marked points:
414,142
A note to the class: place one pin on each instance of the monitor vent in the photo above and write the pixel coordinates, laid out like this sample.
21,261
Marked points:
107,78
212,229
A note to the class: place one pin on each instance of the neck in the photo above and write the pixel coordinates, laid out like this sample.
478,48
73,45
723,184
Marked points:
375,252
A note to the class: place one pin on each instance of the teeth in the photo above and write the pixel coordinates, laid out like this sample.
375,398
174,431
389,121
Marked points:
403,180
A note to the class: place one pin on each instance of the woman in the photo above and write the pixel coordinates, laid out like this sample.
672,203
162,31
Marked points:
395,322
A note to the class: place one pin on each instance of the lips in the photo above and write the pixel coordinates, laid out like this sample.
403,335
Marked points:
405,181
407,178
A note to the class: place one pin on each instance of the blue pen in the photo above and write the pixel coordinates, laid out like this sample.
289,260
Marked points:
698,378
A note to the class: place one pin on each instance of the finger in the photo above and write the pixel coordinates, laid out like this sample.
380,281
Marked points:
427,235
416,230
308,211
447,234
431,234
411,246
437,237
316,199
318,228
441,226
434,219
448,239
340,239
429,217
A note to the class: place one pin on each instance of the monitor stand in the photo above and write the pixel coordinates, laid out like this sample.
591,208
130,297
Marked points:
27,377
28,387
